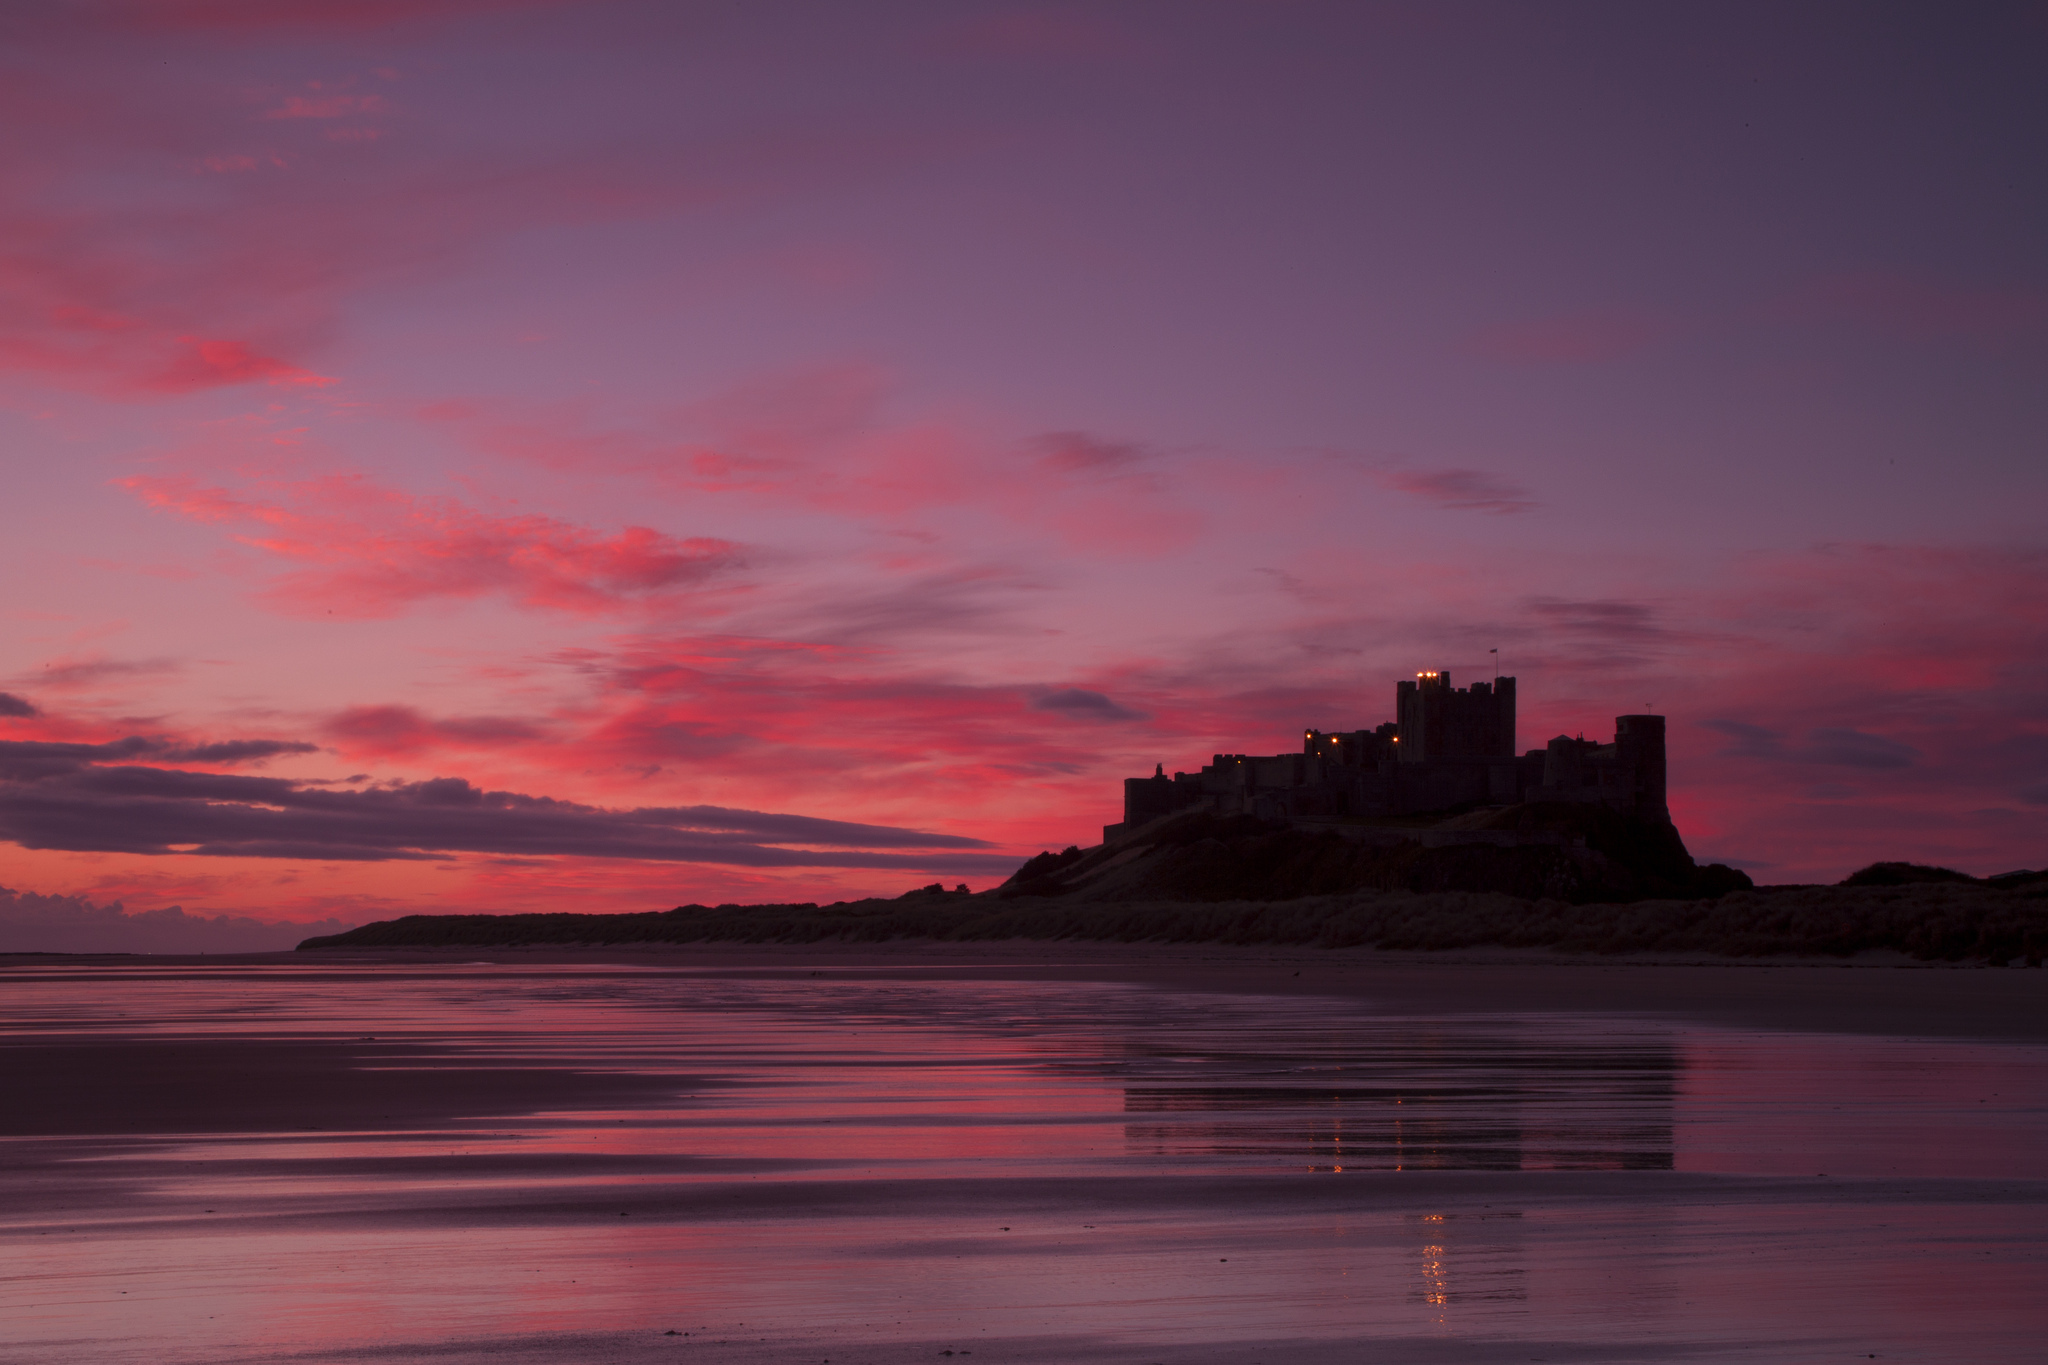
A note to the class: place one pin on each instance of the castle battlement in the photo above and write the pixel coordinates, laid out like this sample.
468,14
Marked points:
1447,747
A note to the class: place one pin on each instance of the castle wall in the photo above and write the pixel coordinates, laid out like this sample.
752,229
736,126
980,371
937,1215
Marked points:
1449,747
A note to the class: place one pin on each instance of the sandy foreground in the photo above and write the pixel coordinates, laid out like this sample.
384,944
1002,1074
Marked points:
1020,1152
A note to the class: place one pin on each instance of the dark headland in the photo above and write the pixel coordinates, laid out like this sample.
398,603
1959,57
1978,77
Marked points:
1429,832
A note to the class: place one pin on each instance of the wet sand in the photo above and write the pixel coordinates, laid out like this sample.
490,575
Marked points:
1026,1152
1879,993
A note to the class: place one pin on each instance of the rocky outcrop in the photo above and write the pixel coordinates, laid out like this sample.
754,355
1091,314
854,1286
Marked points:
1570,852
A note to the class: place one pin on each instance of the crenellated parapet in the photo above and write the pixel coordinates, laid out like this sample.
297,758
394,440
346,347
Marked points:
1436,720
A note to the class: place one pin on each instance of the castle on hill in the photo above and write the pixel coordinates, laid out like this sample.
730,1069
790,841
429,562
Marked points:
1447,747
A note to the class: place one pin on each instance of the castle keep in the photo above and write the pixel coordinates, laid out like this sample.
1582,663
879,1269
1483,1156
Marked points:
1446,747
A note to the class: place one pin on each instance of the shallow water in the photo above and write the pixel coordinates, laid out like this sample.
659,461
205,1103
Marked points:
398,1163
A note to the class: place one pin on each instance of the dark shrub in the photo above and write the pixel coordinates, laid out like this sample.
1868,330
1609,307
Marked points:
1903,874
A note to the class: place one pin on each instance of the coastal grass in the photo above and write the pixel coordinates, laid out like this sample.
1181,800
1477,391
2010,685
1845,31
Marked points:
1930,921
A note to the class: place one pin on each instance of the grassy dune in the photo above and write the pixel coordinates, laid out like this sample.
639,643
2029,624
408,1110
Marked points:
1951,920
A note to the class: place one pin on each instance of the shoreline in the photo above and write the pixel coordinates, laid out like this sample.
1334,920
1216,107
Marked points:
1885,994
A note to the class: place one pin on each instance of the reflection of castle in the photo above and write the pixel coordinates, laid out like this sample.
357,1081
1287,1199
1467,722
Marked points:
1398,1094
1447,747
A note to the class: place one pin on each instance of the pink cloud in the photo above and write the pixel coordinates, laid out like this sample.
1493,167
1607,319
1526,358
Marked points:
265,262
401,731
818,440
1073,452
375,552
76,672
795,435
129,356
212,363
850,727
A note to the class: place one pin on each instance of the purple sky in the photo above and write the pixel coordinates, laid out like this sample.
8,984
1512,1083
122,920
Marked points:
525,455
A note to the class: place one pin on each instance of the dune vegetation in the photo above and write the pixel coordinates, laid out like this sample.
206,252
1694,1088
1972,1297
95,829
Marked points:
1925,913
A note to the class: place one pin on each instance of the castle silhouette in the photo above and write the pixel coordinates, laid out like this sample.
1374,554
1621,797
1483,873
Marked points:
1447,747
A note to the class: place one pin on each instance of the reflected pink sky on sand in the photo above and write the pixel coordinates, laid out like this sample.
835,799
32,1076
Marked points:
403,1163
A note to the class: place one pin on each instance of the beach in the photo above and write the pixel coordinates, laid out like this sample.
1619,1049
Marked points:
1023,1151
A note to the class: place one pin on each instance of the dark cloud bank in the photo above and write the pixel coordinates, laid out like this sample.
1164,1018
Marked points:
1079,702
86,797
71,924
1833,747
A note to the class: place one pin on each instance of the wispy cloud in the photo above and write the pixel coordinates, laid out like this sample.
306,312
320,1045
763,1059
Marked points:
820,440
1083,704
393,731
228,752
1461,490
90,798
236,279
202,364
31,923
1610,621
77,672
1073,452
1831,746
375,551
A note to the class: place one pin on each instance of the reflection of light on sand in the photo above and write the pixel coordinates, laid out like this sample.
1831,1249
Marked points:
1436,1284
1398,1093
1437,1293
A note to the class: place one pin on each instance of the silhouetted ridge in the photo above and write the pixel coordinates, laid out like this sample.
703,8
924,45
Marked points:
1903,874
1945,921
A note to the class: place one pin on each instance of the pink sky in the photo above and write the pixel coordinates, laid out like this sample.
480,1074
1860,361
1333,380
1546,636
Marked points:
465,454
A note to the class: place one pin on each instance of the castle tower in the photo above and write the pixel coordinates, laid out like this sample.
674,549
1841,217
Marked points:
1441,721
1639,753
